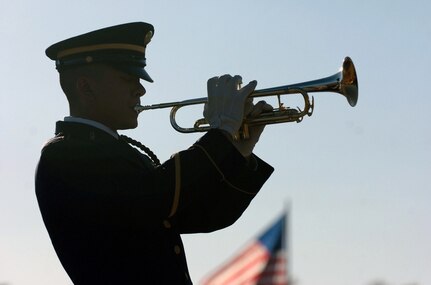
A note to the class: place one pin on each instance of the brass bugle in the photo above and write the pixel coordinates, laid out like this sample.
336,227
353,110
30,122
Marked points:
344,82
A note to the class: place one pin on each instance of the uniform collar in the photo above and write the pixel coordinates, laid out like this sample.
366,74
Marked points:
92,123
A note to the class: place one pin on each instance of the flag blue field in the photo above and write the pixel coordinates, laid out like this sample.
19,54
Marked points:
262,262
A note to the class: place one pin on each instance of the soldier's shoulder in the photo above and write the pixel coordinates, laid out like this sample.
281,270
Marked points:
53,142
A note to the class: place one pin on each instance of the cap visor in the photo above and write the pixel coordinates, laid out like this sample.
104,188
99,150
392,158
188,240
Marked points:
137,71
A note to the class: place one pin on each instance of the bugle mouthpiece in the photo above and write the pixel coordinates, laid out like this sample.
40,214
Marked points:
138,108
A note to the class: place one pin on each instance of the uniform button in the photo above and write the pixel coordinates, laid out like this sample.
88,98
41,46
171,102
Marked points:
167,224
177,249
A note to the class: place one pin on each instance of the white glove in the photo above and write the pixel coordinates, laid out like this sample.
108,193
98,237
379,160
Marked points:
226,102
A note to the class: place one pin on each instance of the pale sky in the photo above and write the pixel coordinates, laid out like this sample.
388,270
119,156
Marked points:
357,178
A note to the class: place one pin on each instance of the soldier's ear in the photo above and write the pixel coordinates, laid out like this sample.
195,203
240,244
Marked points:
85,87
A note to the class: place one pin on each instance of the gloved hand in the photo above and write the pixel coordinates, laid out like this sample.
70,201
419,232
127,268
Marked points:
226,102
246,146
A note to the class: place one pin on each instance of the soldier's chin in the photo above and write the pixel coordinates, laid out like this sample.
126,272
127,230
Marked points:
129,126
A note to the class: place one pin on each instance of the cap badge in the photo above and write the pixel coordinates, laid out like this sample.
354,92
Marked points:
148,37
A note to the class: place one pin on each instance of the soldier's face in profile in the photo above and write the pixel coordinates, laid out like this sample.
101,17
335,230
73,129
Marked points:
117,95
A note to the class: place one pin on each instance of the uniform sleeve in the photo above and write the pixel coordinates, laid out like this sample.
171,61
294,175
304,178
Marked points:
214,185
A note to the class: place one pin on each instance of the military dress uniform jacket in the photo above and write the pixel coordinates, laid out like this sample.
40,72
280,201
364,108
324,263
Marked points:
114,218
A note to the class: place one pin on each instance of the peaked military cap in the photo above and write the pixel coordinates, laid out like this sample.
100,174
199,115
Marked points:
122,46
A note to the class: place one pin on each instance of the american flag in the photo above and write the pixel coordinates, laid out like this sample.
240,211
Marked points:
262,262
